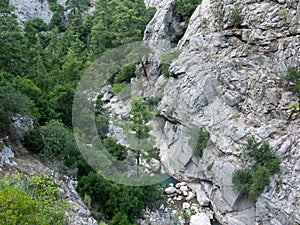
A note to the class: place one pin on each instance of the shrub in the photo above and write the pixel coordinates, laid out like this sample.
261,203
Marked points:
50,140
42,186
33,141
259,180
240,180
125,75
235,15
263,163
118,87
291,80
54,136
262,154
166,62
22,205
118,219
202,142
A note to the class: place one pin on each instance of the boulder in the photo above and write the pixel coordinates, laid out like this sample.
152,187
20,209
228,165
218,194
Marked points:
5,153
200,219
170,190
178,185
202,198
190,196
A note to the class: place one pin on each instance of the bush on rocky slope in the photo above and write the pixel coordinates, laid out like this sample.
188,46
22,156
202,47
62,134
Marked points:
263,162
33,201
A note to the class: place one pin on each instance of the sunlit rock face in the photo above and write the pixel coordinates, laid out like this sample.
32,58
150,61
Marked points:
226,81
30,9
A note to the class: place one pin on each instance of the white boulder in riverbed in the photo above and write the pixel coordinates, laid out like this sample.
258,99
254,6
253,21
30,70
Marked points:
170,190
190,196
200,219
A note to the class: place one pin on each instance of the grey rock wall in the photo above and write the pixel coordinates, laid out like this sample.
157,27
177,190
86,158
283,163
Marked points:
30,9
225,80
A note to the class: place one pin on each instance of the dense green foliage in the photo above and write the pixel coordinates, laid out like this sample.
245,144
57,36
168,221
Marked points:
118,201
44,67
261,154
40,66
32,201
240,179
50,140
113,147
118,22
263,162
184,10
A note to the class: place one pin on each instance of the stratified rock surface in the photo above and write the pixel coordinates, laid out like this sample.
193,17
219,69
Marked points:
226,81
30,9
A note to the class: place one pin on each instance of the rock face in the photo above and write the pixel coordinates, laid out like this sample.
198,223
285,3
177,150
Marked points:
6,152
226,81
32,9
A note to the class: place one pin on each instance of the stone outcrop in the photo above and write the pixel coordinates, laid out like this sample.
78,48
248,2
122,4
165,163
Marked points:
6,153
226,81
32,9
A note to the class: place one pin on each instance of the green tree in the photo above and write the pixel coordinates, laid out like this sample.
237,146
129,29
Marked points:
199,140
50,140
110,198
260,153
12,101
58,18
60,102
116,23
140,115
11,47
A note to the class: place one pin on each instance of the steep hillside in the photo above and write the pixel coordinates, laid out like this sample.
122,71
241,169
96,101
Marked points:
225,80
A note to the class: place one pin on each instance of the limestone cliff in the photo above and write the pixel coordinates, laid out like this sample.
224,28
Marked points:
226,80
30,9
